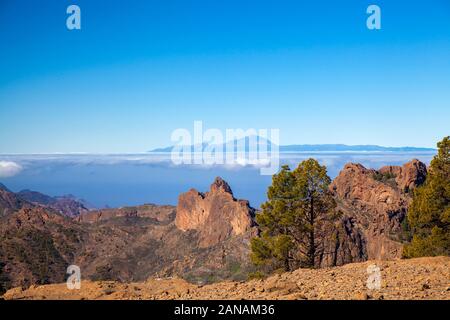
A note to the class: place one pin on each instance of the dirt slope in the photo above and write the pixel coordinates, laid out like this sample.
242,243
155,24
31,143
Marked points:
423,278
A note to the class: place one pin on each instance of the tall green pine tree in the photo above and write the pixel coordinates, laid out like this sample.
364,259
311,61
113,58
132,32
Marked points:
429,212
294,219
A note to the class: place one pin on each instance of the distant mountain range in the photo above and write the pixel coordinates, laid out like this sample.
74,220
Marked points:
313,147
67,205
344,148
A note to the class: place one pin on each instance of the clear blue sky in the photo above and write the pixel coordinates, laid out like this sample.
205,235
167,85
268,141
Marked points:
140,69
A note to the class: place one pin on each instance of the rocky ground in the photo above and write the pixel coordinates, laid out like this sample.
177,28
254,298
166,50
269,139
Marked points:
423,278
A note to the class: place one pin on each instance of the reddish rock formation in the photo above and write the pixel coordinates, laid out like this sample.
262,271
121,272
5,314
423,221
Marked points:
408,176
346,245
377,201
216,214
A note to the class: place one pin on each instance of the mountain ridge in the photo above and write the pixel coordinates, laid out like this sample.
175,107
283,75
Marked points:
67,205
309,147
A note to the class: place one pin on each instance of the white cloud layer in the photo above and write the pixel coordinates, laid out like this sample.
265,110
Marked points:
9,169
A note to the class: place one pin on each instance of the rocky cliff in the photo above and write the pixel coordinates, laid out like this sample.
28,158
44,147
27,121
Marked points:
216,215
376,202
408,176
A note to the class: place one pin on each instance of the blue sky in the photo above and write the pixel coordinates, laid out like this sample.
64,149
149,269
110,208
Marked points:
138,70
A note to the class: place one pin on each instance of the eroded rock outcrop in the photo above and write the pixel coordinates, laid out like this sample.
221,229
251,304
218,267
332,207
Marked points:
377,201
347,244
216,215
408,176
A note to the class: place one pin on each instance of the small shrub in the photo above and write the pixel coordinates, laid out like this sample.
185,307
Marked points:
257,275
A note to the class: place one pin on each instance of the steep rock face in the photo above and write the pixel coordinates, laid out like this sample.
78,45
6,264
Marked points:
377,201
347,244
216,215
408,176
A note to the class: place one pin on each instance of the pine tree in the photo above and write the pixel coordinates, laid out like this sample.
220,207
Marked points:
429,213
294,219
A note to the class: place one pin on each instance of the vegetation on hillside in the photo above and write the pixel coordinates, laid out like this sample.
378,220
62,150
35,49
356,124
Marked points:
429,213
